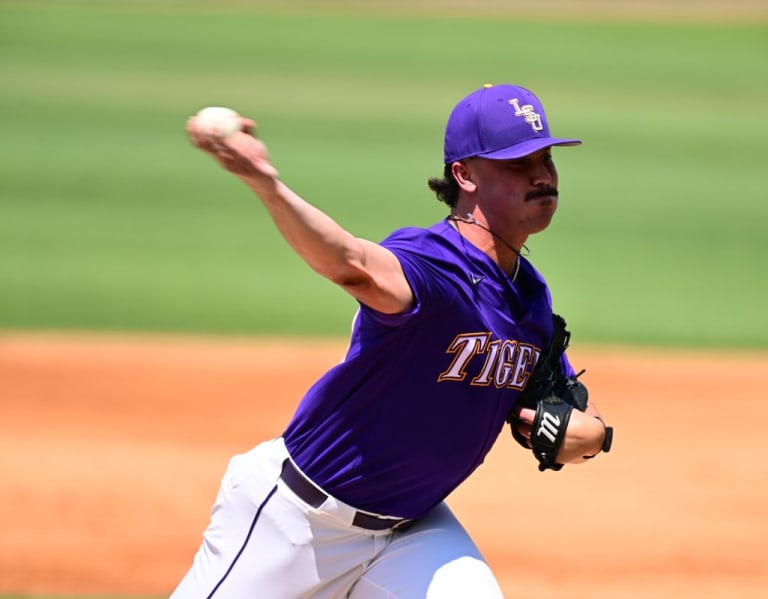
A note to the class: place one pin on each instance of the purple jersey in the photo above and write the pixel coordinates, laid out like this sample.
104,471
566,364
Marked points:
421,397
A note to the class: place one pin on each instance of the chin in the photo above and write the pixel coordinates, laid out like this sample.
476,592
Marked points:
541,223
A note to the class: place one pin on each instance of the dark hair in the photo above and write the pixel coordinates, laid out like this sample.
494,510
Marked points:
446,187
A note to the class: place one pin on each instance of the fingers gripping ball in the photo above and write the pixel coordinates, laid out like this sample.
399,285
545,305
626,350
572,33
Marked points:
217,122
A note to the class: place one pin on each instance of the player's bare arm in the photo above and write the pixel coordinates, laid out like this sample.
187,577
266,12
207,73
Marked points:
584,437
367,271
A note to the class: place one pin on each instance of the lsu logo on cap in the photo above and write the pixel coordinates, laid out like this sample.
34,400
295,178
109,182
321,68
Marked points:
531,117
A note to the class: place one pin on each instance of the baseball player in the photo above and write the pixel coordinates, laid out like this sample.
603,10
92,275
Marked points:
454,338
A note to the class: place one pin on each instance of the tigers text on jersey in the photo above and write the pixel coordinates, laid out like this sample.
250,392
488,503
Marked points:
421,397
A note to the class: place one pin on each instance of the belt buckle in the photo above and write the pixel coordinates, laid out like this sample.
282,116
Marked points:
403,524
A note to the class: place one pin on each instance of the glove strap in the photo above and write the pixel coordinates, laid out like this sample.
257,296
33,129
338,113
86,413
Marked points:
548,432
607,440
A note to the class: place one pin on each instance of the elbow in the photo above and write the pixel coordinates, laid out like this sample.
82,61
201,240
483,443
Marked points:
347,278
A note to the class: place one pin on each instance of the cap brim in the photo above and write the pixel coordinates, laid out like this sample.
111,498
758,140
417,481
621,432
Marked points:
528,147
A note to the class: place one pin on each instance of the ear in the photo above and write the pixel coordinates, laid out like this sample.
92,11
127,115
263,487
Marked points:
464,176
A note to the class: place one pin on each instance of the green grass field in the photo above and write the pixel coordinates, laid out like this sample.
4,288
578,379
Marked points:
110,220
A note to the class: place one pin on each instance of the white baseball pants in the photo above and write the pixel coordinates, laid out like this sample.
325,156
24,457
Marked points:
265,542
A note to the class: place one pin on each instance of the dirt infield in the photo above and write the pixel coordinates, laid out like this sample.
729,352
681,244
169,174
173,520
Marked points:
111,453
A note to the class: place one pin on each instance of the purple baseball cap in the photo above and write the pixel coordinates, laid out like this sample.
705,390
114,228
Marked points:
499,122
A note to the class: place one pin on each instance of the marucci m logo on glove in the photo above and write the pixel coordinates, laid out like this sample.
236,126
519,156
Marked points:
549,427
550,423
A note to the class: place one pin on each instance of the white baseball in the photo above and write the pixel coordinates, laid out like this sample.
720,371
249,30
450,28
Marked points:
218,122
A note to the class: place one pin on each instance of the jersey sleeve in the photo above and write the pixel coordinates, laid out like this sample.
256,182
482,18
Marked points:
567,368
426,266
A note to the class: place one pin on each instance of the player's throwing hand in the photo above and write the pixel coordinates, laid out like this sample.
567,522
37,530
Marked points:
241,153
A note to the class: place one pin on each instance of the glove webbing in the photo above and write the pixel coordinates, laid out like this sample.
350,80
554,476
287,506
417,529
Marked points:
553,396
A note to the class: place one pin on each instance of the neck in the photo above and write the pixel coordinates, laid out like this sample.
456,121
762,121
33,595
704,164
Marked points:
495,245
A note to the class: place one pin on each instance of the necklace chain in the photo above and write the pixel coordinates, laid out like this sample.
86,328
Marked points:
471,220
513,278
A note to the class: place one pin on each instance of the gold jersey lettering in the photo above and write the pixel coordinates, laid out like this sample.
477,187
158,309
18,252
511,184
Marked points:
486,374
527,357
506,363
465,347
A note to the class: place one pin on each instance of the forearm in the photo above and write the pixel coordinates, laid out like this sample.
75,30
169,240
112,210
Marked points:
585,437
367,271
319,240
324,245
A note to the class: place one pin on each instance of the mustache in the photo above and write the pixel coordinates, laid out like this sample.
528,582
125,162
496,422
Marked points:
540,193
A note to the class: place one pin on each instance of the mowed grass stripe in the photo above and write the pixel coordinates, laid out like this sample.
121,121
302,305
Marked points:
108,219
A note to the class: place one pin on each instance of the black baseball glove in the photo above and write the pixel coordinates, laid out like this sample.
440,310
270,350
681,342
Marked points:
554,396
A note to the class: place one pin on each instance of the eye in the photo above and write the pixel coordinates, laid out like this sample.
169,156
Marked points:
517,164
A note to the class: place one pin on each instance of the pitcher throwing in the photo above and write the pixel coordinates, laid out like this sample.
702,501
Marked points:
454,337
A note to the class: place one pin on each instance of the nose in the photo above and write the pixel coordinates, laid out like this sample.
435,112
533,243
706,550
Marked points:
540,173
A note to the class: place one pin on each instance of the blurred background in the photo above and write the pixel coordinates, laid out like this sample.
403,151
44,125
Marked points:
109,220
112,227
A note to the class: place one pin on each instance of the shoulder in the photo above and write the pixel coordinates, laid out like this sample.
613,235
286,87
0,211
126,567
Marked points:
433,242
431,258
